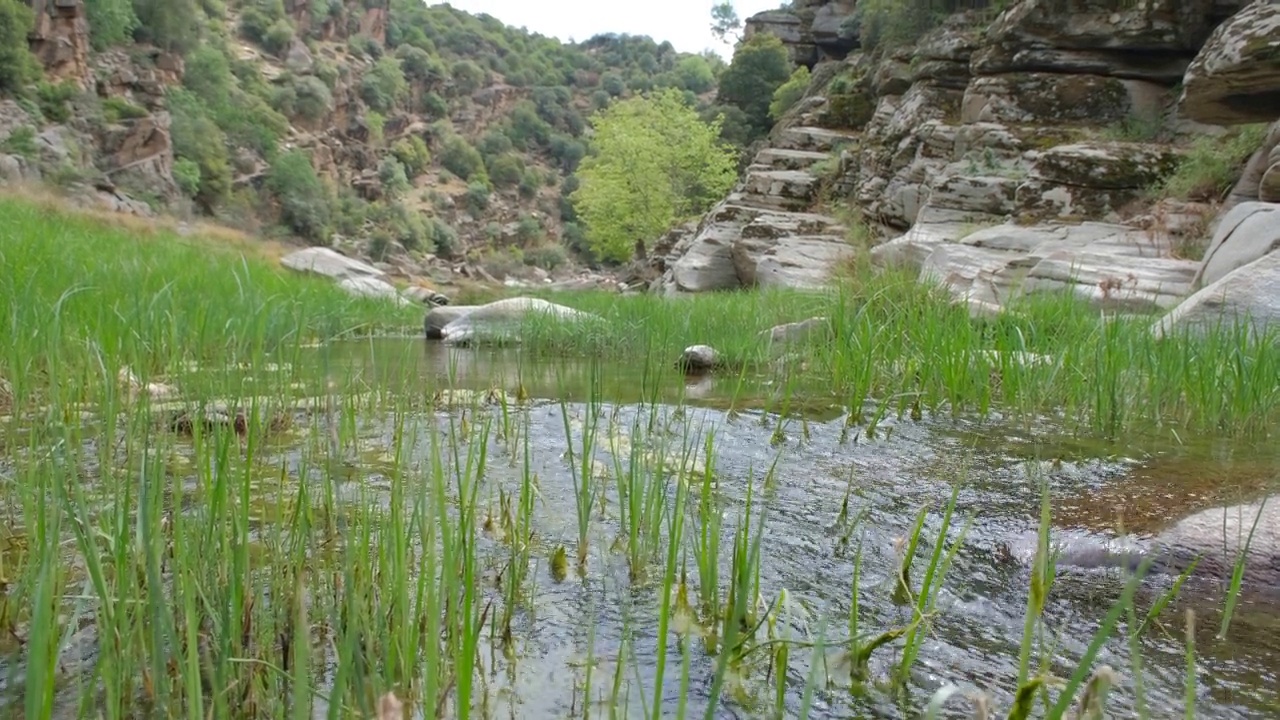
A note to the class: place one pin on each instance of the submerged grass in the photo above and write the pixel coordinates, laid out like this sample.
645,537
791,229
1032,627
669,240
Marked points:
237,568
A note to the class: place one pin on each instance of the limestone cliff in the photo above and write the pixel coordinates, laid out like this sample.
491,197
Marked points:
1043,146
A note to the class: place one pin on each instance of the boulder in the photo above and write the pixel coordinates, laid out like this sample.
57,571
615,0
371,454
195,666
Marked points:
698,359
1235,79
802,262
801,331
438,317
1213,539
329,263
500,321
1050,98
1245,233
372,287
1248,296
1257,180
1269,186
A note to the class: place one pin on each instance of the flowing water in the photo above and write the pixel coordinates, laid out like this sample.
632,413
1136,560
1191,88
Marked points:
975,639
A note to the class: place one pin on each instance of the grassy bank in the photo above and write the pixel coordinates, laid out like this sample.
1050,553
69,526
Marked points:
81,297
897,347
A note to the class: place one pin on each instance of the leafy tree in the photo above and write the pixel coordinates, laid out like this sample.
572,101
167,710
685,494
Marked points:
460,158
384,85
111,22
724,21
170,24
412,152
759,66
199,140
468,77
304,203
654,163
18,66
694,73
789,93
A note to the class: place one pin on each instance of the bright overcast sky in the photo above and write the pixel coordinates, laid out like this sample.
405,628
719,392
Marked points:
685,23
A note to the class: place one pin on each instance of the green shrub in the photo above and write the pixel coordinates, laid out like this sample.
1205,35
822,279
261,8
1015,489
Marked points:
278,37
547,257
115,109
54,100
460,158
197,138
434,106
412,152
375,122
304,202
467,76
477,197
111,22
789,93
444,237
505,170
530,182
22,141
495,143
18,67
392,176
172,25
384,85
528,229
314,101
1213,165
186,173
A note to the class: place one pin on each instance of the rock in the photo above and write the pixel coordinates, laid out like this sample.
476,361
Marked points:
1235,79
1037,97
1248,295
500,320
1109,165
802,262
438,317
327,262
801,331
697,359
15,168
1149,41
141,148
1269,186
60,40
1213,539
1109,265
1245,233
372,287
298,58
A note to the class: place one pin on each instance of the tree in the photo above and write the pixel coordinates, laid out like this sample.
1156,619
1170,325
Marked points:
759,67
17,65
724,20
654,163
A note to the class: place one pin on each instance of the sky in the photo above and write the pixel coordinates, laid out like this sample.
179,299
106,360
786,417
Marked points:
685,23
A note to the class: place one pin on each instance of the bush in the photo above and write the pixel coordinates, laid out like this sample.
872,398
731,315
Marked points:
530,182
495,143
434,106
477,197
278,37
18,67
467,77
111,22
460,158
420,65
412,152
444,237
22,141
314,101
304,203
392,176
759,67
115,109
198,139
1213,165
384,85
186,173
789,93
505,170
173,25
528,229
54,98
547,257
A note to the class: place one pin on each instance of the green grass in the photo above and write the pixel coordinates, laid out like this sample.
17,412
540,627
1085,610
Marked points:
386,542
900,348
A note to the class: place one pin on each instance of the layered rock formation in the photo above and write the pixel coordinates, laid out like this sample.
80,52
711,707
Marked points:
1014,152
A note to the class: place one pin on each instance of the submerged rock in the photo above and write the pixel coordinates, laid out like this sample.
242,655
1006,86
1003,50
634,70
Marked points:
500,321
1216,537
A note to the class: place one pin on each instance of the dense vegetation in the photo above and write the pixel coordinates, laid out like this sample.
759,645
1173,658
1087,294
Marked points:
504,110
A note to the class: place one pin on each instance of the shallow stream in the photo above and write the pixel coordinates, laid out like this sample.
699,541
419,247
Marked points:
975,640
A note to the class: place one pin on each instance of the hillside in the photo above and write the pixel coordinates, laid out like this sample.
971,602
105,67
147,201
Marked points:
427,139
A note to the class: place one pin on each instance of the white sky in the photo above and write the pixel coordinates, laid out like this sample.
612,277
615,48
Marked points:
685,23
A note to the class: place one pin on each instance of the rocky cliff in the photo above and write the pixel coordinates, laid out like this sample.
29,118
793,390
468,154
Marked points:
1087,145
